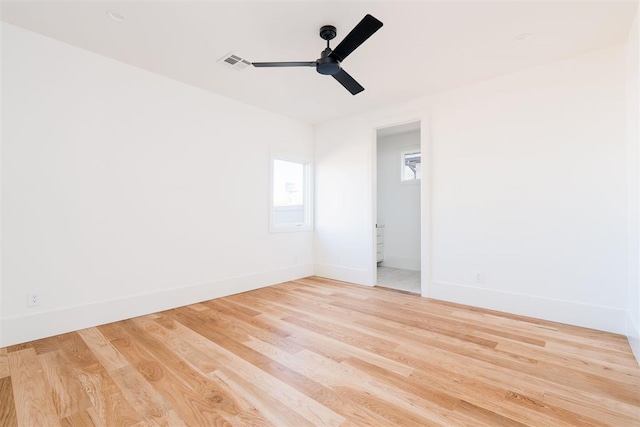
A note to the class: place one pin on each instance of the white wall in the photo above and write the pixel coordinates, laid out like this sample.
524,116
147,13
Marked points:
398,203
528,186
633,119
115,204
1,185
126,193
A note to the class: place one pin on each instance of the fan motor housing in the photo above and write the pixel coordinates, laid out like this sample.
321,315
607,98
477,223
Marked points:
328,32
326,64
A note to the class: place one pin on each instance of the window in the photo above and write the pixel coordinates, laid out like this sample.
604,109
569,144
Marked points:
411,166
290,194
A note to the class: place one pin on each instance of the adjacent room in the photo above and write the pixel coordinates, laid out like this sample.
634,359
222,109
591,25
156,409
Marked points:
398,178
320,213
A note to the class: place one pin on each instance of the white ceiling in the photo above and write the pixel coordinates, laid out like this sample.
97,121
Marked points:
423,47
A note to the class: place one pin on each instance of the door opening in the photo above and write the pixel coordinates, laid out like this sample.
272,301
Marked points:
398,207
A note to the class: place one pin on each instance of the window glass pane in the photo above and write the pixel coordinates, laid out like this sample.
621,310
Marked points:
289,198
288,183
411,166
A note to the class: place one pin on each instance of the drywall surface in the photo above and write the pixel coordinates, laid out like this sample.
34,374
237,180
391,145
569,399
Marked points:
398,202
126,193
1,285
633,144
527,187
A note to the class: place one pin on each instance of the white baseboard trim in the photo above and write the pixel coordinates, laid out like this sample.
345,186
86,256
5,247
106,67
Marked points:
399,262
344,274
633,335
53,322
607,319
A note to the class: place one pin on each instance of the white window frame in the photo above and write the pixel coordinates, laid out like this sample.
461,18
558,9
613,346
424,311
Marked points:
404,152
307,189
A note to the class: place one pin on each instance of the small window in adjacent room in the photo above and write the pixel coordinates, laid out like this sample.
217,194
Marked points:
411,166
290,194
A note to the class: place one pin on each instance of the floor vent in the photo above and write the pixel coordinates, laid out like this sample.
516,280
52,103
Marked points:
234,61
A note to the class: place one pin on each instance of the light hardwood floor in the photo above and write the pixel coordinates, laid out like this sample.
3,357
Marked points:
320,352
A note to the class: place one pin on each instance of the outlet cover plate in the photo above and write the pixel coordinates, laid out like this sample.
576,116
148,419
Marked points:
33,299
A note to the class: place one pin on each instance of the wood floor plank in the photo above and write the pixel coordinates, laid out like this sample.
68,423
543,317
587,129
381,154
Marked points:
322,352
269,406
271,377
197,399
68,394
598,410
551,372
522,363
4,363
444,368
195,350
18,347
431,409
322,343
79,419
337,350
109,406
76,350
580,363
618,344
7,404
250,417
45,345
34,405
103,350
169,389
340,404
253,325
187,344
145,399
476,414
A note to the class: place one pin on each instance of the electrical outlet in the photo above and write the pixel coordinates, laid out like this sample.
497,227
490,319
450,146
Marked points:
33,299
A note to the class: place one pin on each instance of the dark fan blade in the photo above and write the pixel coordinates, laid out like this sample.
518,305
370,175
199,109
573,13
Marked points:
284,64
348,82
356,37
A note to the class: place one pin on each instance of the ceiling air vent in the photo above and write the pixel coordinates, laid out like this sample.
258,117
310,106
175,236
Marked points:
234,61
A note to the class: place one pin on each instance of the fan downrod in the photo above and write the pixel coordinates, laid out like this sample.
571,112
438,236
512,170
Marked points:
326,64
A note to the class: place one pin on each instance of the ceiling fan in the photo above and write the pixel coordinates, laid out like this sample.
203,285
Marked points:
330,60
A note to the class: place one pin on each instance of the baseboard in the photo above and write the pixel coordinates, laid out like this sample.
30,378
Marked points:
399,262
344,274
633,335
607,319
53,322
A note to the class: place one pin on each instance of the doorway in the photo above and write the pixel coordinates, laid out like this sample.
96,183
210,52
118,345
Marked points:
398,207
